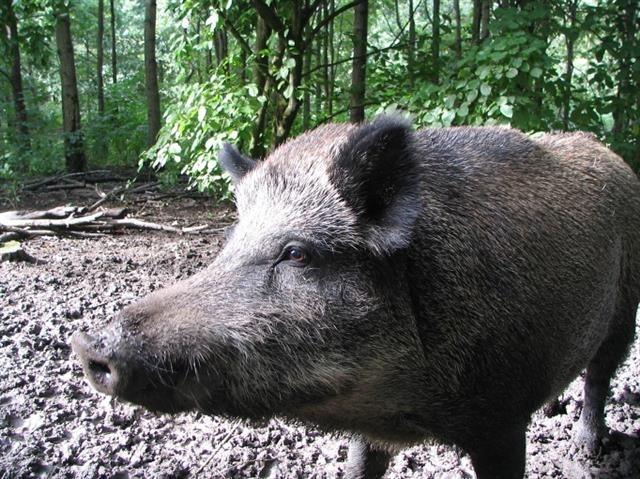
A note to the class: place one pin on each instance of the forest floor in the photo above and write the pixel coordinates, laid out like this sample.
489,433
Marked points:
52,424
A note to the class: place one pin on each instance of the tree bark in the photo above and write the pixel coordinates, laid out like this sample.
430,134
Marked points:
114,58
435,42
484,19
411,47
358,72
15,77
306,99
263,84
151,73
475,22
100,58
295,44
625,26
102,143
221,45
329,58
458,29
73,142
569,38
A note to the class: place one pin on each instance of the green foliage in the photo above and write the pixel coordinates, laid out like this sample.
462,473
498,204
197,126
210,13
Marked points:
216,88
494,82
200,118
119,136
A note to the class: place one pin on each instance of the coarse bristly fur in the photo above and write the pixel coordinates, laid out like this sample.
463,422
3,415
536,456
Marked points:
400,285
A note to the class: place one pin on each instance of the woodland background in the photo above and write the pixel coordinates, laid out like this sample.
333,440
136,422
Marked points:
89,84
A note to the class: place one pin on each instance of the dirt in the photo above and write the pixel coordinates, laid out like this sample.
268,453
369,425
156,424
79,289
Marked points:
52,424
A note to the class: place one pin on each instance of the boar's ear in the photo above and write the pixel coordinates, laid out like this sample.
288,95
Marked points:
234,163
378,175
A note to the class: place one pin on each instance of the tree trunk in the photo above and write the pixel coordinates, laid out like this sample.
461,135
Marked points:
306,99
458,29
263,84
484,19
100,58
15,77
114,58
73,143
570,38
435,42
151,72
290,39
475,22
625,26
329,59
358,72
411,47
221,45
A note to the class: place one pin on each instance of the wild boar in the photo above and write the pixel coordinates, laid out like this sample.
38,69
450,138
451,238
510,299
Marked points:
401,285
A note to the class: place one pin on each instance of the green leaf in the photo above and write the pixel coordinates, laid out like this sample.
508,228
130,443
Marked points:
506,110
511,73
447,117
482,71
212,20
211,143
463,111
449,101
536,72
288,92
202,113
252,89
485,89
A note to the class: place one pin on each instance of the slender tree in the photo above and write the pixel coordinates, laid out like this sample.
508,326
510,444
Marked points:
475,22
627,20
151,73
114,57
73,141
458,29
358,72
435,42
10,31
411,46
102,143
570,37
484,18
100,58
480,20
263,82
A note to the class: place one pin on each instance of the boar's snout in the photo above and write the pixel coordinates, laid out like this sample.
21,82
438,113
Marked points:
106,372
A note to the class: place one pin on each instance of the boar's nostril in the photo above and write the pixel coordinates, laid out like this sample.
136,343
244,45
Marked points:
100,372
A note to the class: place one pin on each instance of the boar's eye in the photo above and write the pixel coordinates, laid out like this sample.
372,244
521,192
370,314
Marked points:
295,254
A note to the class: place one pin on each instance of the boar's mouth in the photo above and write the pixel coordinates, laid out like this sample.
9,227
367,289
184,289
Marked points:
156,386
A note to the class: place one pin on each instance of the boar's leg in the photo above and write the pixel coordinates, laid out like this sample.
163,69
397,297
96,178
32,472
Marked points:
500,454
365,461
591,428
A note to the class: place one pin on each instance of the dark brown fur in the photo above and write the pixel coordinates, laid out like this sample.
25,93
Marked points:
401,285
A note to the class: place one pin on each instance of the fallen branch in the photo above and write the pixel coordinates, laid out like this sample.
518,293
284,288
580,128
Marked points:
120,190
95,176
72,220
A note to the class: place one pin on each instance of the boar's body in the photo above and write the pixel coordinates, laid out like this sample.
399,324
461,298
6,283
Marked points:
401,285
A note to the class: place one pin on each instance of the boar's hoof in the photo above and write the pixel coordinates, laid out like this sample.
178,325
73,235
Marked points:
366,461
589,436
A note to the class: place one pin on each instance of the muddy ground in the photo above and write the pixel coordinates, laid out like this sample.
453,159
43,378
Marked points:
53,425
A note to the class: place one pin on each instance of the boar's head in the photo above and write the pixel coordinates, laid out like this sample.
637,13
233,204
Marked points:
305,311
